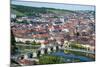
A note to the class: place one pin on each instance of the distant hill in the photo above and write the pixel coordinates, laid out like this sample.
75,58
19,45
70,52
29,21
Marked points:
20,10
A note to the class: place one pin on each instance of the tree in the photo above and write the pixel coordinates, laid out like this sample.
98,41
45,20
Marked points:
34,43
38,43
27,42
13,45
50,59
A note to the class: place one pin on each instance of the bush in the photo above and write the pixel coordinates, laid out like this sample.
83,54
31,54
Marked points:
27,42
77,46
34,43
50,60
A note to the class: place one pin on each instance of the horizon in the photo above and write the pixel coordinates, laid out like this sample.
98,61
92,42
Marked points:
54,5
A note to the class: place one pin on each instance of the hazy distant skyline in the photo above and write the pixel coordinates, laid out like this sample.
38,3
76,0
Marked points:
54,5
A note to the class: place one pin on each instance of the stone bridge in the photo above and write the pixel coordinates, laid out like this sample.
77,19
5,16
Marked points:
47,50
37,50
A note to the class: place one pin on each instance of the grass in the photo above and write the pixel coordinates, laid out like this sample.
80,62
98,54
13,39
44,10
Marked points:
46,59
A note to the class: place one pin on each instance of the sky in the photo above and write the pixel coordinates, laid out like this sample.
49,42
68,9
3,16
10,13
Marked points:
54,5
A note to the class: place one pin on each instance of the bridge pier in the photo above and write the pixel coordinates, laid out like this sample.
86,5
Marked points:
54,48
42,51
48,50
59,47
34,54
26,56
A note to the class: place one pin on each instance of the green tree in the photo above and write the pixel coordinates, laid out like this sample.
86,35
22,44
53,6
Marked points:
27,42
13,45
34,43
50,59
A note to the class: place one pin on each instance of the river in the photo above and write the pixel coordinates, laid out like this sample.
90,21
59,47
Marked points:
71,57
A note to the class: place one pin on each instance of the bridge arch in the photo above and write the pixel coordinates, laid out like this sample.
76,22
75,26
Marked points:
30,55
45,51
38,53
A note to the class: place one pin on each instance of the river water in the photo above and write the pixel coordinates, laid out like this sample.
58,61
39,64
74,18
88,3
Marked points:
71,57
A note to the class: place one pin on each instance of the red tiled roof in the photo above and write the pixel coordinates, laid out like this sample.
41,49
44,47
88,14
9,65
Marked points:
26,62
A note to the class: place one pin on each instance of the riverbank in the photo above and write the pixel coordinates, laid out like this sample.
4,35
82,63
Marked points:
92,56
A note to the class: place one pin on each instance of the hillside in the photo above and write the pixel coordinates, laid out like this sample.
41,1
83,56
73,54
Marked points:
20,10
